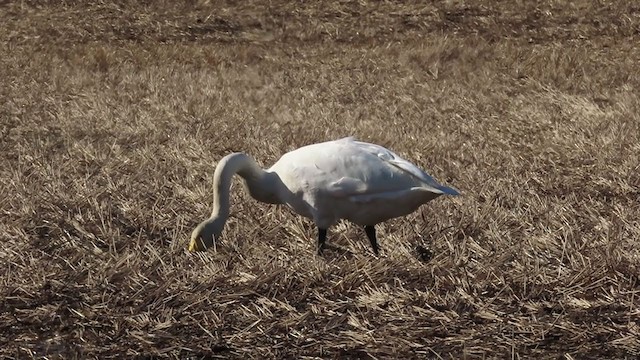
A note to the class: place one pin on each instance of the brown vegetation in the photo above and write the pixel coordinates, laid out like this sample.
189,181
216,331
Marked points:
113,115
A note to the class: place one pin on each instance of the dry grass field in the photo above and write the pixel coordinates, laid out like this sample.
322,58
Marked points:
113,116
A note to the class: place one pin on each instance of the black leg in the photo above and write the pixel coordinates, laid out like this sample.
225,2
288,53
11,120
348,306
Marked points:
371,234
322,237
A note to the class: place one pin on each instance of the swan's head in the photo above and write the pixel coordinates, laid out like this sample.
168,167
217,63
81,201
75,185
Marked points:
205,234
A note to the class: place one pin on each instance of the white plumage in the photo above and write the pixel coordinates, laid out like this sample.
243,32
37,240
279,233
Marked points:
342,179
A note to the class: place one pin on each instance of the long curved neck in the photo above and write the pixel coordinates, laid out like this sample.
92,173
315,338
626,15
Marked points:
262,185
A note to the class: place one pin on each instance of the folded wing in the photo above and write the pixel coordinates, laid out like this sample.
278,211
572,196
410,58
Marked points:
381,174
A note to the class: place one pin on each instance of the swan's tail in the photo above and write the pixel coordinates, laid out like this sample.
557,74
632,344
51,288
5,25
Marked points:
447,190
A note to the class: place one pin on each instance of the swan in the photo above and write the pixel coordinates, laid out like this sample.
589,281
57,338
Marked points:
325,182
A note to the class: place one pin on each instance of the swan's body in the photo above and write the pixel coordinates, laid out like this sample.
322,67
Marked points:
342,179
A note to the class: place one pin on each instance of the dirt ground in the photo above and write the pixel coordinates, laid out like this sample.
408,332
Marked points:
113,116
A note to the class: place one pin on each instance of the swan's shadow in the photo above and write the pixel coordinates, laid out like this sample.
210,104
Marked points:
336,251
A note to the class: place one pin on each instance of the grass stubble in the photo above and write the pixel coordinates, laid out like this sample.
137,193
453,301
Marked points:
113,116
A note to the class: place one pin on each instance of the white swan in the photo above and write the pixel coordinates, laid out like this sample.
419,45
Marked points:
342,179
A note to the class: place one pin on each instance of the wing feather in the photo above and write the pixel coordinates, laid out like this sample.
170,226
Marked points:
345,187
406,166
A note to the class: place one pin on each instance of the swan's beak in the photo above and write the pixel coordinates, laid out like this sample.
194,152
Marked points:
192,247
196,245
204,235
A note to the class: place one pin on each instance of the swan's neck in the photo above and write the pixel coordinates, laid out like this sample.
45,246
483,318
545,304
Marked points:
262,185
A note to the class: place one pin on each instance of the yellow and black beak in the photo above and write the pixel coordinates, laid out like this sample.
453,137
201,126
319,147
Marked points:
197,245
